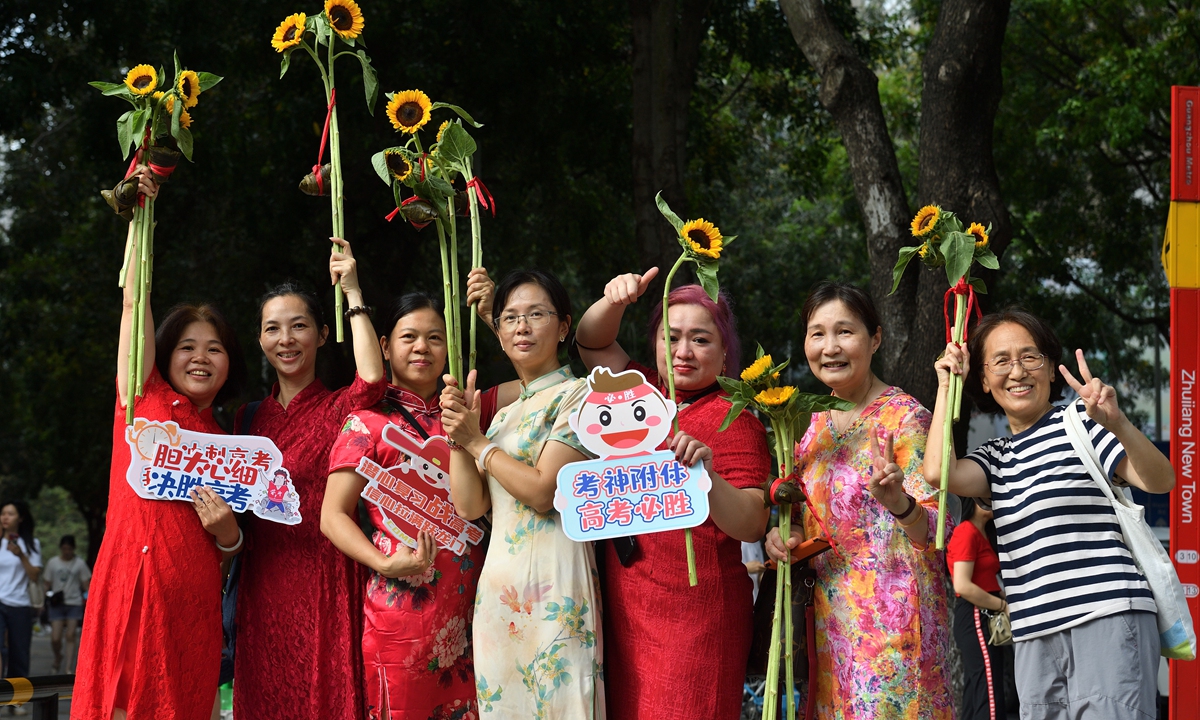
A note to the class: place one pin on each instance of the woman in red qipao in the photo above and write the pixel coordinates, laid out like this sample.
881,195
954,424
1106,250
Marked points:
151,645
416,640
299,616
660,635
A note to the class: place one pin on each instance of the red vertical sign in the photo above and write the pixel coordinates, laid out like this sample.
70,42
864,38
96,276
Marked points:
1185,458
1185,121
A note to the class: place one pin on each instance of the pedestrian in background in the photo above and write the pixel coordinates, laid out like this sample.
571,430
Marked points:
66,578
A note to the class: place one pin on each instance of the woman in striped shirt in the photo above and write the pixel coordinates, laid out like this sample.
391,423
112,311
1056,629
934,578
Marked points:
1082,614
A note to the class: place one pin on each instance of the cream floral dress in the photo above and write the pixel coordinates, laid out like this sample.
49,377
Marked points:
537,611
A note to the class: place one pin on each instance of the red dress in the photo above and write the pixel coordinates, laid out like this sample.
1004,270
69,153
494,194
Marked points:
670,650
157,585
416,639
299,615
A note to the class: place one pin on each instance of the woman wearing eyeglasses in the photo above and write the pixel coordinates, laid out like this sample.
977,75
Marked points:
1083,622
537,618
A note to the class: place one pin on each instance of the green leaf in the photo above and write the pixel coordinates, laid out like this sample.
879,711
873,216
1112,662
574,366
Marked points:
457,146
669,214
184,139
107,88
283,65
138,124
370,81
988,259
735,408
959,249
461,113
730,385
906,254
759,352
727,239
979,286
177,69
809,402
176,114
208,80
125,133
380,165
706,273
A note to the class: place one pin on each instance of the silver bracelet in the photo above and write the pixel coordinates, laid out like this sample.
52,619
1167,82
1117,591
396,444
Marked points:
481,461
236,546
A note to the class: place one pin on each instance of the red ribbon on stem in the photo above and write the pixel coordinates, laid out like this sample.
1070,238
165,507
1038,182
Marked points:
480,192
962,288
392,215
316,169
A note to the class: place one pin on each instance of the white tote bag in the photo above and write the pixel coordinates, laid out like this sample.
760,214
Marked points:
1176,636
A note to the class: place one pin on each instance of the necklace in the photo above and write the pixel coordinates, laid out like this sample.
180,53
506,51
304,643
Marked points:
850,416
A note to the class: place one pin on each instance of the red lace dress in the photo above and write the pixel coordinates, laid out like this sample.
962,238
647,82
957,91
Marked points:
153,620
299,615
670,650
416,639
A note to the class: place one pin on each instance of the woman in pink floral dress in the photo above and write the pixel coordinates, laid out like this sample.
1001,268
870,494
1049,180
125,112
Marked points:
419,603
882,607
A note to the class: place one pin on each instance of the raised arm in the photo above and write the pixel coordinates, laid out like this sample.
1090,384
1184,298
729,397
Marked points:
149,188
460,419
965,478
596,335
367,356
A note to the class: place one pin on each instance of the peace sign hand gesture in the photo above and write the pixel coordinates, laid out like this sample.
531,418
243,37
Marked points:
887,479
1099,399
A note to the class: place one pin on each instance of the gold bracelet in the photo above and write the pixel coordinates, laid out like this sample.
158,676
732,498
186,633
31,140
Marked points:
916,518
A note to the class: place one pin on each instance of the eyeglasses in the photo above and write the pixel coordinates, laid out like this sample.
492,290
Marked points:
536,319
1029,362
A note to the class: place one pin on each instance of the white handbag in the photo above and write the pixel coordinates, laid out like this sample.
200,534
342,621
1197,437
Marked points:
1176,636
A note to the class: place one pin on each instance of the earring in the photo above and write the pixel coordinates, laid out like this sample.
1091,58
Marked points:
562,337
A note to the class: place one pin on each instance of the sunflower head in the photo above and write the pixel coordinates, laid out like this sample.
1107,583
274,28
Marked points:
142,80
289,33
185,120
442,129
757,371
981,236
774,397
703,238
408,110
397,165
923,250
926,220
345,18
189,88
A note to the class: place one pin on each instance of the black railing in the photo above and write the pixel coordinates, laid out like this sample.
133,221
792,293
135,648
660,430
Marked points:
41,694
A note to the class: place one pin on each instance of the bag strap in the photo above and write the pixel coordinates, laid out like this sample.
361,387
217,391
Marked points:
1077,434
248,417
413,421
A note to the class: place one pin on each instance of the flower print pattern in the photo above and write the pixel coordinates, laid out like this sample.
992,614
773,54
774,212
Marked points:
449,644
881,603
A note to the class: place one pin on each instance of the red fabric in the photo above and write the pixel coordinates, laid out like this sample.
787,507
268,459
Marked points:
670,650
967,544
416,630
299,598
160,549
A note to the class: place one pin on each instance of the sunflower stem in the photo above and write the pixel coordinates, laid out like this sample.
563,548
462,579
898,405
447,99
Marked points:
952,414
786,452
771,696
335,181
125,265
455,295
451,336
131,370
476,248
693,577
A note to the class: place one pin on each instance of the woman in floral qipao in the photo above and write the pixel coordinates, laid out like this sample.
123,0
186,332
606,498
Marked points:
537,625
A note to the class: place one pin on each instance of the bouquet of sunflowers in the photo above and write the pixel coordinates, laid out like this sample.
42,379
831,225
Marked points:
157,130
430,175
944,243
789,412
341,22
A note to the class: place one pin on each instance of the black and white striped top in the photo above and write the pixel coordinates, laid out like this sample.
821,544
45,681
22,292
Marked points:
1062,555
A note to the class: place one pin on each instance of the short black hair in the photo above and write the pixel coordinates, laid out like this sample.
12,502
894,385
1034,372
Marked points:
407,304
1043,336
67,540
553,287
294,288
167,335
854,298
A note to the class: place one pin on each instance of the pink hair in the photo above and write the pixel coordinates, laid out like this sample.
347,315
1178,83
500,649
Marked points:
722,315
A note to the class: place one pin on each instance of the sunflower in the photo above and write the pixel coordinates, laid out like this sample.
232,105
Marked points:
923,250
703,238
408,110
397,165
926,220
185,120
289,33
442,129
774,397
757,370
142,80
189,88
981,236
345,18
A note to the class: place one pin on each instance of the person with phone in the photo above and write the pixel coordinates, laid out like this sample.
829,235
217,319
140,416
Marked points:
20,564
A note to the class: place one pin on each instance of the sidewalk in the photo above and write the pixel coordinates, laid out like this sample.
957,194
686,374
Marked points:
41,662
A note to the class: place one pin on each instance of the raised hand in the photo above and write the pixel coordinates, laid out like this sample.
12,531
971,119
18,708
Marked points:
481,289
1099,399
688,450
626,289
955,361
887,479
460,409
343,268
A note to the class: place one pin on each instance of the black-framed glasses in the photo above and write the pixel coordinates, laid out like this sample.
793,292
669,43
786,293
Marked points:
536,319
1028,362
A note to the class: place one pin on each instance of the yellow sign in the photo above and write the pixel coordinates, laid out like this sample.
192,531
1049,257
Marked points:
1181,246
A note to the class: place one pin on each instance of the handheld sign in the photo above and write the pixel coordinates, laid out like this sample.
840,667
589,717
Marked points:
166,462
631,489
415,495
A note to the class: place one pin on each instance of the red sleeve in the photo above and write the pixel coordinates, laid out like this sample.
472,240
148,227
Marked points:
963,545
354,442
740,453
487,407
360,395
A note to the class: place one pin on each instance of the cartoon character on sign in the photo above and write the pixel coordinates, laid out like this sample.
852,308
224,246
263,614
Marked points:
429,459
278,499
623,415
276,492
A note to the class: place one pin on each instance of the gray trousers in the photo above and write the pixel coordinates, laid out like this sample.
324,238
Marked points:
1106,668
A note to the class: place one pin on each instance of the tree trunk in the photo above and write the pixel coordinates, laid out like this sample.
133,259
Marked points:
666,50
